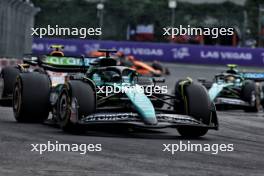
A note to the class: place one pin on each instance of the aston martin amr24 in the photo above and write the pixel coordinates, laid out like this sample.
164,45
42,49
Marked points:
79,101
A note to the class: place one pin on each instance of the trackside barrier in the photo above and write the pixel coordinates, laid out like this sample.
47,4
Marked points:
167,52
152,51
16,21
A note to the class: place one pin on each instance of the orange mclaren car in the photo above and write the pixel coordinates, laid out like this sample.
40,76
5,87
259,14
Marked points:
141,67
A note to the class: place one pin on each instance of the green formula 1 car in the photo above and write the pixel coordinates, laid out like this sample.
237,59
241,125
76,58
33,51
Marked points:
236,90
100,92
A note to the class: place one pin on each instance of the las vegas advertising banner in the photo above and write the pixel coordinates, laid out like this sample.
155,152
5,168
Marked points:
178,53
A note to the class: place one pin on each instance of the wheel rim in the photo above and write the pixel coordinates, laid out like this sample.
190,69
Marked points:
1,86
17,99
63,107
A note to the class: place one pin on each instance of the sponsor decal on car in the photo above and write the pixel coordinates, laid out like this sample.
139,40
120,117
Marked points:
111,117
67,61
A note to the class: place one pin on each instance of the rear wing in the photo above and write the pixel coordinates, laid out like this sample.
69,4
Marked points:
60,64
255,76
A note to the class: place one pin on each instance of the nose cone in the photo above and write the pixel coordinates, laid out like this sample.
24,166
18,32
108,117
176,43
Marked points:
142,104
150,121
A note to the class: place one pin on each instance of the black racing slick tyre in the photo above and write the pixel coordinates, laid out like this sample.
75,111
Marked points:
31,97
8,76
250,94
81,95
197,104
158,66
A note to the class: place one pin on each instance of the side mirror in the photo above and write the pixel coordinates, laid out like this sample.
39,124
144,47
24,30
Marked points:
201,80
158,80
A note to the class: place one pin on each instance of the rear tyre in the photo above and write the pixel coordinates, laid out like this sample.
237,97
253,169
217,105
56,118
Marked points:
158,66
197,104
250,94
31,97
8,75
83,97
167,71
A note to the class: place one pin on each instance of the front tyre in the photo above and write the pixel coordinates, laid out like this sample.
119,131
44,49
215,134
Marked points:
197,104
76,101
250,94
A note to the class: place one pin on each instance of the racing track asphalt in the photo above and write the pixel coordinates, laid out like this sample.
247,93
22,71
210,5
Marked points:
126,152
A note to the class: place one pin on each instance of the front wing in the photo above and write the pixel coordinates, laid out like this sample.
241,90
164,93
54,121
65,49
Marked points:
164,120
231,101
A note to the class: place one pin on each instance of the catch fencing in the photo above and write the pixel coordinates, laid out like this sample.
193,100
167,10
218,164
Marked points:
16,21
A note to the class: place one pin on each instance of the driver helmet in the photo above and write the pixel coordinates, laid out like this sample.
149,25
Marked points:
57,50
232,69
230,79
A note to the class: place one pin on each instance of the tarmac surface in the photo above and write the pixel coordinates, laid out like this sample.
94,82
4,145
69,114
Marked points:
138,152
